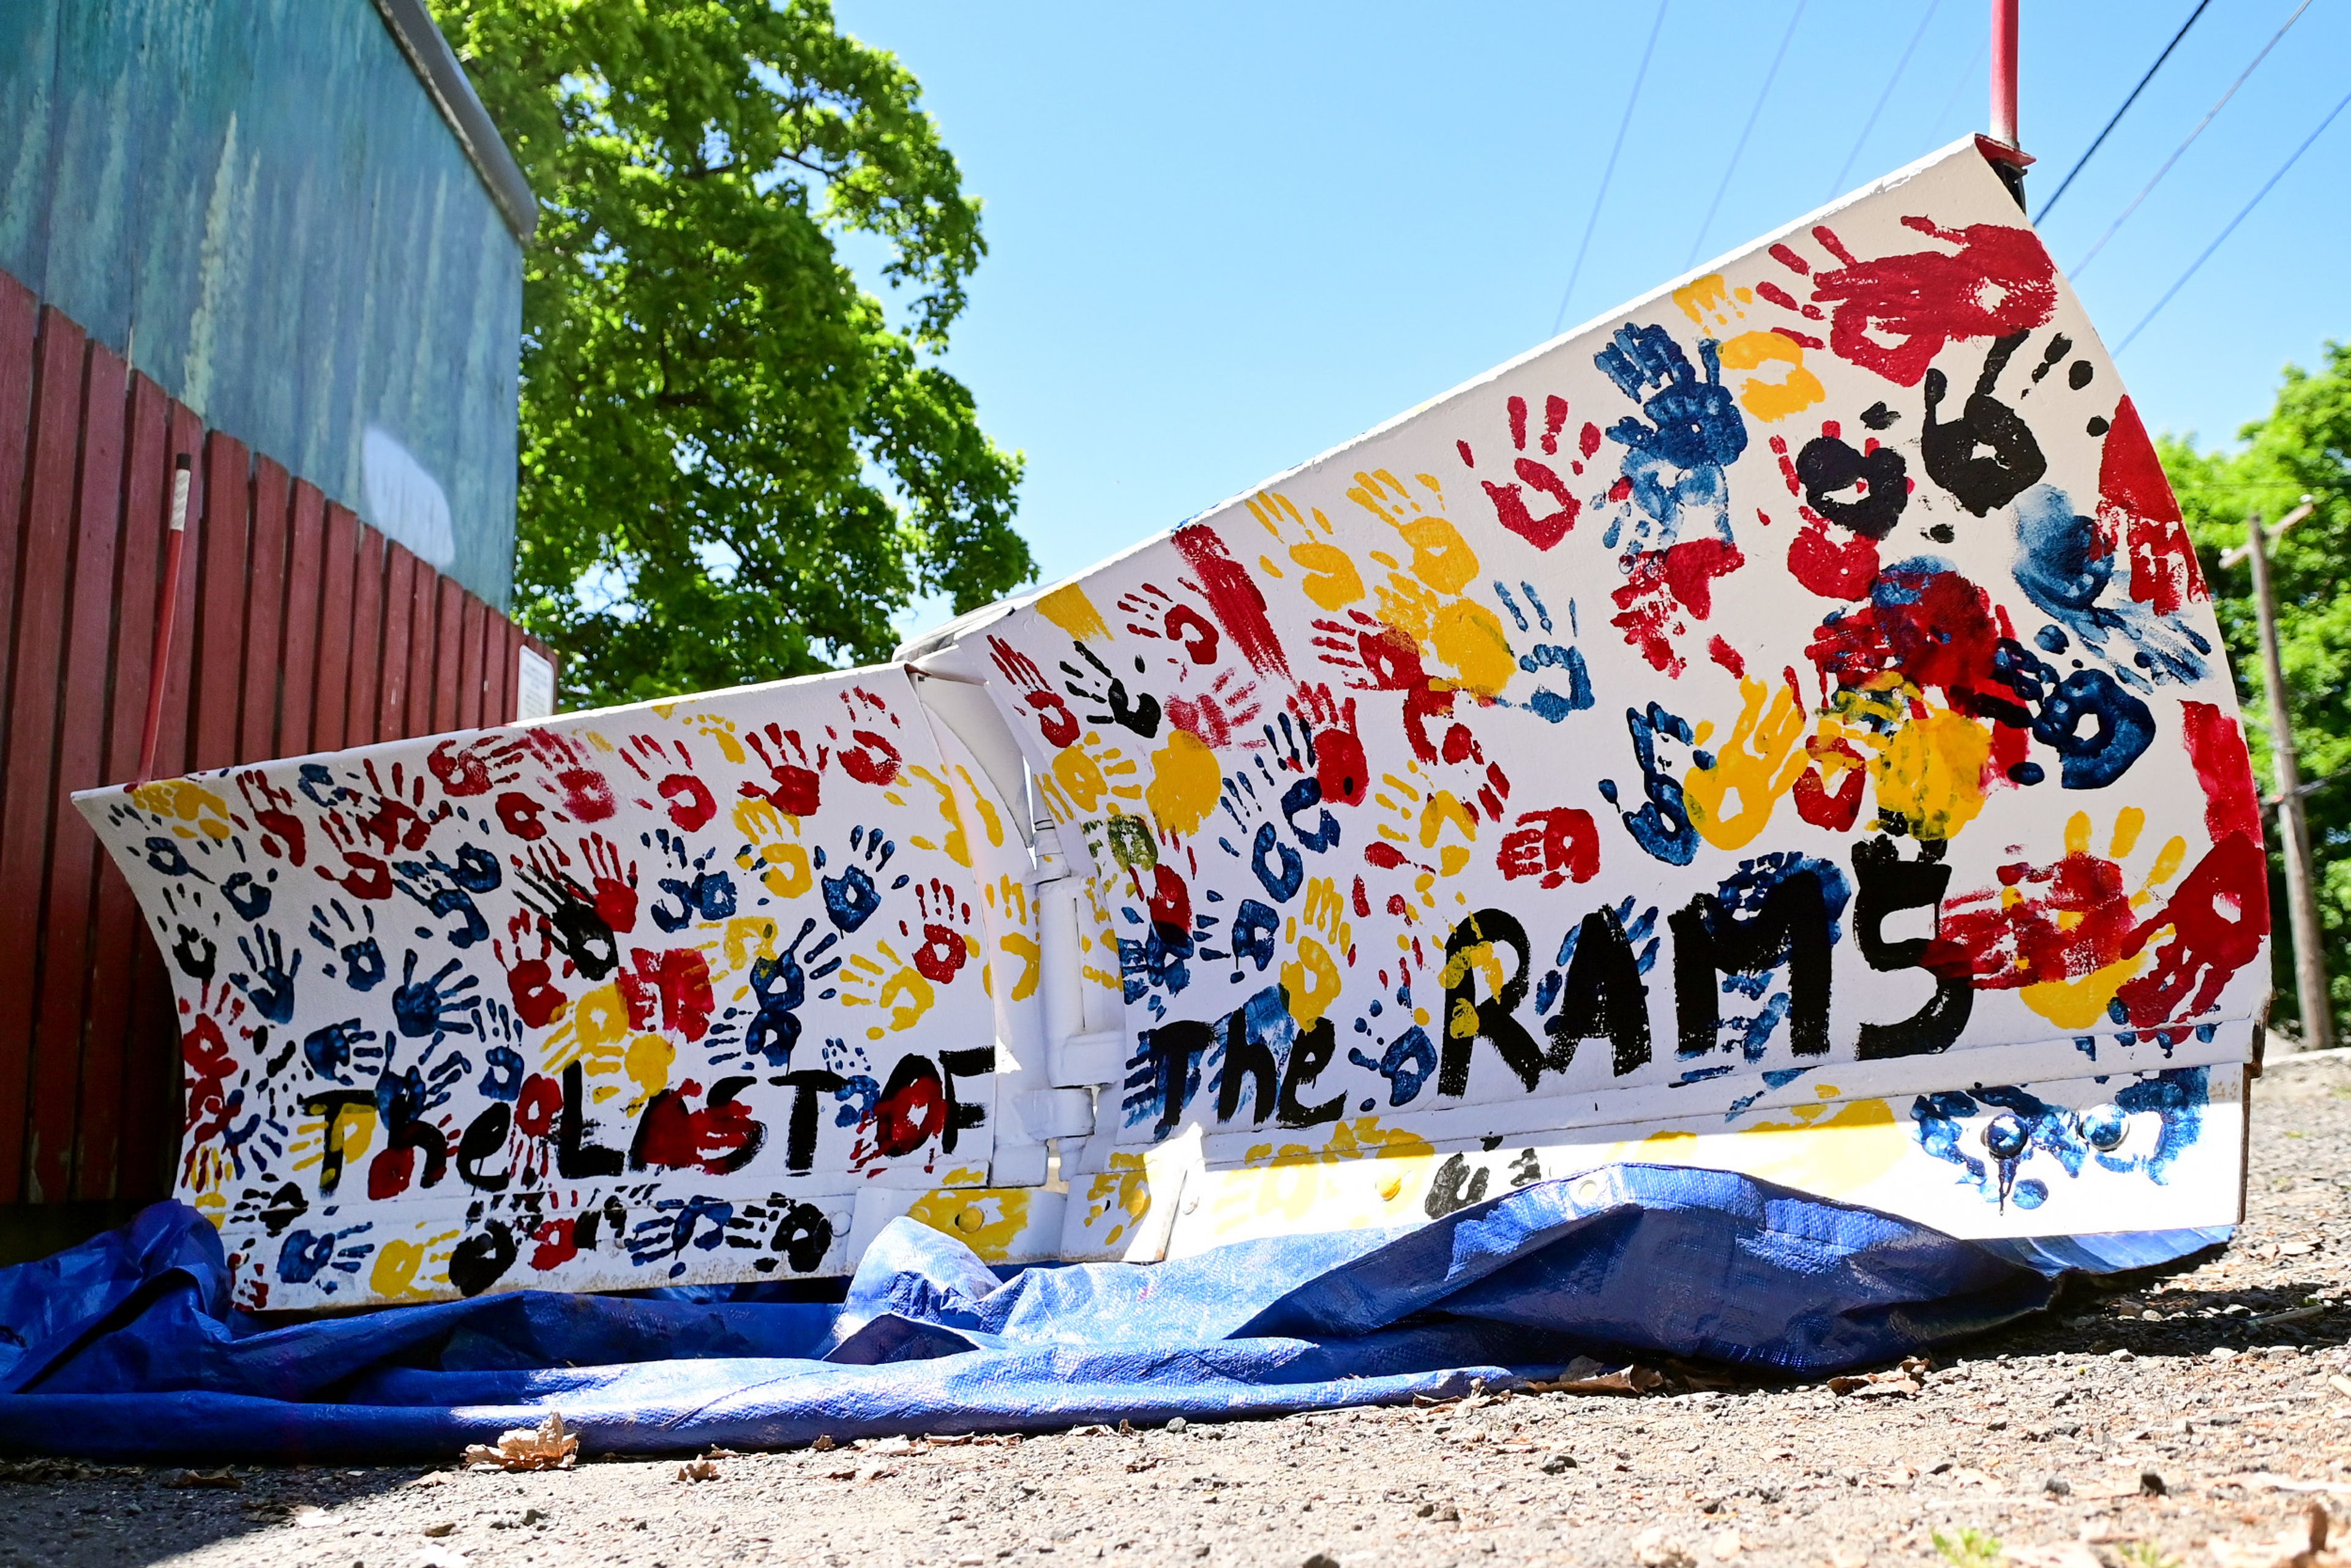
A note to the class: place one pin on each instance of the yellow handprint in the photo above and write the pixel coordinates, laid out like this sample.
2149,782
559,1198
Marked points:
1331,579
1761,764
1313,983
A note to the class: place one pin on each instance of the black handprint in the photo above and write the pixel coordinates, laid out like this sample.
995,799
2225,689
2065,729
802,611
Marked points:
2010,462
1139,715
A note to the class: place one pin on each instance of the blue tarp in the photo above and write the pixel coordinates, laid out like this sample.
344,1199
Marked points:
126,1347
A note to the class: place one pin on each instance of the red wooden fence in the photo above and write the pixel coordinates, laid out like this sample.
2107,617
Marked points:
299,629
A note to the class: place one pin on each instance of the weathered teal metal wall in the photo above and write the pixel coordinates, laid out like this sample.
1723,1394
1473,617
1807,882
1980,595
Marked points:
258,203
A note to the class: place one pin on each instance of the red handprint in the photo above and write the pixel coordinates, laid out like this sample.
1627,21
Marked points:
1558,845
1509,500
795,787
942,952
530,981
282,834
1054,719
474,768
873,758
612,886
1213,716
1340,765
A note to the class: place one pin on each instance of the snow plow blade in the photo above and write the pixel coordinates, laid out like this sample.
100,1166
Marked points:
1776,728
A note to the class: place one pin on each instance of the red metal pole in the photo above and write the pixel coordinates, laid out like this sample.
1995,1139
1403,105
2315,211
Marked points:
2003,73
159,663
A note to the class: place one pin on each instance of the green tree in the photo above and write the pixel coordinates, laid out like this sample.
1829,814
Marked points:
733,466
2302,447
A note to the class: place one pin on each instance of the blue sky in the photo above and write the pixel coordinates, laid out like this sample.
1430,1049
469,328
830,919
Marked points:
1225,238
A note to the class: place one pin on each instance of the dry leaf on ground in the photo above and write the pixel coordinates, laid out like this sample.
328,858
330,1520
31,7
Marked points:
545,1447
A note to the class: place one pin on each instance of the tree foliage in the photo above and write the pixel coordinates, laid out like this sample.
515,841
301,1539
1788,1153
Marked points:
734,467
2302,447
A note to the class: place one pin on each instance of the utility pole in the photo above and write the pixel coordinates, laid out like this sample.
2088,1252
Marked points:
2293,830
2002,147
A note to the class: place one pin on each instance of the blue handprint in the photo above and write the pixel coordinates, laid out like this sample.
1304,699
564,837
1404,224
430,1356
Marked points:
1696,431
424,1008
859,1092
707,894
1662,826
306,1254
363,967
339,1045
270,988
1543,702
1409,1061
850,899
780,985
248,897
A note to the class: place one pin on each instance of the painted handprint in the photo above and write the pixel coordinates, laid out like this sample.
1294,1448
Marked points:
1714,307
1333,744
668,765
1664,589
269,986
1542,658
671,986
946,942
1662,826
446,890
1695,432
1988,456
794,786
867,753
1055,721
1512,508
1893,316
351,940
1096,685
1330,579
1152,612
1760,764
437,1005
699,893
1554,846
850,895
466,768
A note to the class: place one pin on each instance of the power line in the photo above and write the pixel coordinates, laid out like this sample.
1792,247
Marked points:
2341,104
2192,135
1609,173
1966,77
1871,124
2100,139
1768,77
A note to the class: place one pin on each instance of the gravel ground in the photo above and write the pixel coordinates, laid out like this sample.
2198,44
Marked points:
2150,1423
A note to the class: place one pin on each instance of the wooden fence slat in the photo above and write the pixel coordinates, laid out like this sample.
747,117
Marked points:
44,559
515,641
305,541
117,933
469,665
264,613
81,699
221,599
338,628
424,643
399,630
20,326
498,674
448,657
371,564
